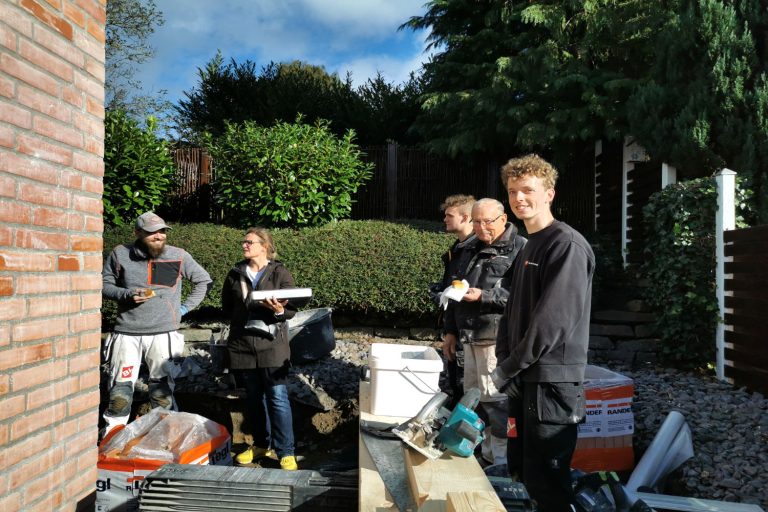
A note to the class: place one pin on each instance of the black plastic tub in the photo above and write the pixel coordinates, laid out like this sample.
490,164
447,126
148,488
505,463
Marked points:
311,335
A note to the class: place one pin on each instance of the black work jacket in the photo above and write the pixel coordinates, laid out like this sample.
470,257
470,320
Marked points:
478,322
246,349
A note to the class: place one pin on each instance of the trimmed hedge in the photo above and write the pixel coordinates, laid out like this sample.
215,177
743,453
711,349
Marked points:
377,272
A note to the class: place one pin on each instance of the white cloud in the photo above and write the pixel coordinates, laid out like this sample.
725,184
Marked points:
371,18
360,36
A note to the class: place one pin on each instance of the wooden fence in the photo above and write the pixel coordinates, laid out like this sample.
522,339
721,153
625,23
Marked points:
746,297
407,183
190,199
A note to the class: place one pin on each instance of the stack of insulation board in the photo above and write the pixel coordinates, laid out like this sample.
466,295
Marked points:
216,488
605,439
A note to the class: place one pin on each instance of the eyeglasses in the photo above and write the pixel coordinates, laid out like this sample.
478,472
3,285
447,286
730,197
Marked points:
486,222
251,242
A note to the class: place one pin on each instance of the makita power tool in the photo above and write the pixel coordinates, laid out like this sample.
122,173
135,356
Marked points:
436,429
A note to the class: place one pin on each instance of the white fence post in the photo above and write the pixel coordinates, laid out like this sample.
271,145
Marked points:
725,220
631,154
668,175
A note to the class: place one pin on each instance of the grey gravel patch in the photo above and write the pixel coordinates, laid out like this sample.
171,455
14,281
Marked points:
729,427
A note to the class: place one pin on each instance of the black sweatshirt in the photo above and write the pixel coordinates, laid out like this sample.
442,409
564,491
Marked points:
544,333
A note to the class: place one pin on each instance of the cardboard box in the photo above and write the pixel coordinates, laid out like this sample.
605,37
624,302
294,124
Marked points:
605,439
403,378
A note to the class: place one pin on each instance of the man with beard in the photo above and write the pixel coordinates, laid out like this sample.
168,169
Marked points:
145,279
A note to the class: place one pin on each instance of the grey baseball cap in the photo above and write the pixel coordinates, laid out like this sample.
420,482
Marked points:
151,222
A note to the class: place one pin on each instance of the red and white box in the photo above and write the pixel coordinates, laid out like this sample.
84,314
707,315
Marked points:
605,439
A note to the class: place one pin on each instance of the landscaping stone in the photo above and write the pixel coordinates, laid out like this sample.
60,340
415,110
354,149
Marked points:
195,335
636,305
424,334
645,330
622,317
621,331
600,343
638,345
391,332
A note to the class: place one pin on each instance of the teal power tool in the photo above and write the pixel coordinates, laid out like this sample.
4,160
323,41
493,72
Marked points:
436,429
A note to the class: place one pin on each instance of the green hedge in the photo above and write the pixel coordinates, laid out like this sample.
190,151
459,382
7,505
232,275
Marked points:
376,272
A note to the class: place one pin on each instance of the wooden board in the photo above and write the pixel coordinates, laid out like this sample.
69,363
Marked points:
476,501
433,479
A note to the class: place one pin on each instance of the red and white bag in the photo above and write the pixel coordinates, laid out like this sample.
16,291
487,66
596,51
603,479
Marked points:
129,454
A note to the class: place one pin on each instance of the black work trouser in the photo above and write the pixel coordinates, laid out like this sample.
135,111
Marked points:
546,416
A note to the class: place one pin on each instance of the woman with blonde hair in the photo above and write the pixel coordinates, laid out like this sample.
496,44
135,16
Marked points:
258,346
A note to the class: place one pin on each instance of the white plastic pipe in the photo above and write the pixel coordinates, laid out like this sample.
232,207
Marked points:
671,447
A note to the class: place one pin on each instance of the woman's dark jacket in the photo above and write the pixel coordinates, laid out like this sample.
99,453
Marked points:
477,322
247,350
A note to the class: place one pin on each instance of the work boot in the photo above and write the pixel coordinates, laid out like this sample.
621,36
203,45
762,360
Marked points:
253,453
288,463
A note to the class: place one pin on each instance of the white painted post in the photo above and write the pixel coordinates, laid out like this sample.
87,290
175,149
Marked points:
632,153
626,166
668,175
725,220
598,172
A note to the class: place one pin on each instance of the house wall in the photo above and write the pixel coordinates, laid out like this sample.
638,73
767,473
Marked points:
51,169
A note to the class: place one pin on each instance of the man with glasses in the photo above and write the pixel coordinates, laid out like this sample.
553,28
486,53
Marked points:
145,279
474,320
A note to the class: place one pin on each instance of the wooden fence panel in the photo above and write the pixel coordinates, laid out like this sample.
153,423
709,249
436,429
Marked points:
746,296
190,199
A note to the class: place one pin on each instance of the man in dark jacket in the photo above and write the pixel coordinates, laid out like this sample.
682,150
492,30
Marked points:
457,217
543,338
475,319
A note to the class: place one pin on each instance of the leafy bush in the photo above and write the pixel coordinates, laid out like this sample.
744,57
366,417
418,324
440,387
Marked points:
375,272
289,175
138,168
680,267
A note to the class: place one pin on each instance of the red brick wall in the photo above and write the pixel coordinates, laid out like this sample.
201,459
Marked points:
51,169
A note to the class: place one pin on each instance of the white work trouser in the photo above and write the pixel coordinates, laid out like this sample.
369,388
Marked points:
123,354
479,362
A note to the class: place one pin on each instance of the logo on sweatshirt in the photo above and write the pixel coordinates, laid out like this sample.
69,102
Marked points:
126,372
528,262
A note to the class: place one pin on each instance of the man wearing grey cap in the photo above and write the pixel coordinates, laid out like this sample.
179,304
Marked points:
145,279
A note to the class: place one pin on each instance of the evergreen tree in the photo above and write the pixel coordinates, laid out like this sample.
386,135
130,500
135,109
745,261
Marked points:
704,103
377,111
529,75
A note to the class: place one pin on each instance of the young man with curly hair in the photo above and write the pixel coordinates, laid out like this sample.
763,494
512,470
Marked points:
542,341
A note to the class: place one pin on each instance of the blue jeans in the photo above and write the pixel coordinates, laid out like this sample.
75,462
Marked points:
270,410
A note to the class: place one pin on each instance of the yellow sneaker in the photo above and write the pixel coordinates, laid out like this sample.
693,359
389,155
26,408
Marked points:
288,463
253,453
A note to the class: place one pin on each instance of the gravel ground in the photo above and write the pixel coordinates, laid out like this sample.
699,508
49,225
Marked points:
729,425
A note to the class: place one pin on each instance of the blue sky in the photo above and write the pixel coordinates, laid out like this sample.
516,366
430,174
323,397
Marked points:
359,36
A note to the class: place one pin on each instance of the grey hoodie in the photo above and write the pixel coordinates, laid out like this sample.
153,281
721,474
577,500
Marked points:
129,267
